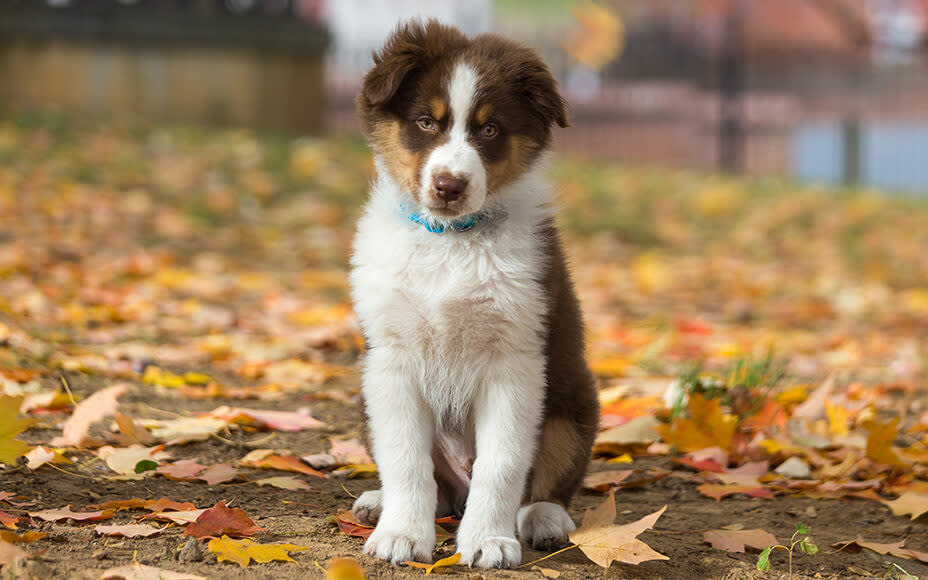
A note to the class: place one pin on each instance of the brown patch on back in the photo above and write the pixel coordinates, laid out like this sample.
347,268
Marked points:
484,113
571,409
438,107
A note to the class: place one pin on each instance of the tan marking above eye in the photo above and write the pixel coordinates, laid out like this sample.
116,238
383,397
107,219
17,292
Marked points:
438,107
484,113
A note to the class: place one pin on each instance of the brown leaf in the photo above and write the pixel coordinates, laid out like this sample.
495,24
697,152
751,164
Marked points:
221,520
94,408
267,459
604,542
142,572
131,432
350,525
8,520
183,470
65,513
893,549
736,540
218,473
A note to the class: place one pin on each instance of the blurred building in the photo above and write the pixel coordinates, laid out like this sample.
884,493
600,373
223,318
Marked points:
236,62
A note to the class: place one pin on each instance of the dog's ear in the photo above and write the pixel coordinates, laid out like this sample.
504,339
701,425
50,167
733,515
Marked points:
540,89
411,46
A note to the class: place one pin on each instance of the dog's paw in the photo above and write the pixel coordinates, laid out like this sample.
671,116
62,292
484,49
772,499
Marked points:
545,526
398,546
367,507
491,552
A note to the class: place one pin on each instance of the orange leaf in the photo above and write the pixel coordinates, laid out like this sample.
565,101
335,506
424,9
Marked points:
718,491
880,443
351,526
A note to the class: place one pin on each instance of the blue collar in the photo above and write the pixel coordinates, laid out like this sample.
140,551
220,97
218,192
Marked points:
462,224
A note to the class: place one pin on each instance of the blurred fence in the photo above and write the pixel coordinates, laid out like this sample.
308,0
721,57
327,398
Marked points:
194,61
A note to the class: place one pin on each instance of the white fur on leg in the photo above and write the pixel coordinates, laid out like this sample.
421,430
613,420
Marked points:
402,431
544,525
507,414
367,507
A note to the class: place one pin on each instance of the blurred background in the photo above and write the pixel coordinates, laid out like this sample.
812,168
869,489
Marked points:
740,176
831,91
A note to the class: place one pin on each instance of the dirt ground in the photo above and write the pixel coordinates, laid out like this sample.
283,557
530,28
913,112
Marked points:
299,517
224,254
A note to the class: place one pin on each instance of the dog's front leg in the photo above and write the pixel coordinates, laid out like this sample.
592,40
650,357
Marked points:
506,416
401,432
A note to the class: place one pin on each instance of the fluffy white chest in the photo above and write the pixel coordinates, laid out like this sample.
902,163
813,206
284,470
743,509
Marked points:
450,304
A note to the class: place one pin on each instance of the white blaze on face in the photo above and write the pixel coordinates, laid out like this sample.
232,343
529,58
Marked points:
457,157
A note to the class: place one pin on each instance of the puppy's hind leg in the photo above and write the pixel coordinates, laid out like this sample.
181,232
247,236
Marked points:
368,506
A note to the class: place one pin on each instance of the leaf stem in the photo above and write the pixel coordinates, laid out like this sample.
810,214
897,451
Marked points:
570,547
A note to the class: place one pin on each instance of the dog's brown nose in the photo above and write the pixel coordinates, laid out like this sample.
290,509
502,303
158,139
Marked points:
448,187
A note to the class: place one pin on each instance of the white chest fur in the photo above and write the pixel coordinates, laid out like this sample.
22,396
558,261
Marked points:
452,302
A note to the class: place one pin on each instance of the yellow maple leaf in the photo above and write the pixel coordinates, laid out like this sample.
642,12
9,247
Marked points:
449,561
837,419
880,442
706,426
604,542
242,552
10,426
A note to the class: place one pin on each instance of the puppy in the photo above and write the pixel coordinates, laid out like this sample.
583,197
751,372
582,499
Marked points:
477,396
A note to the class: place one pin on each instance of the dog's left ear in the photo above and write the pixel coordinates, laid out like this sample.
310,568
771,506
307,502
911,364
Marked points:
541,91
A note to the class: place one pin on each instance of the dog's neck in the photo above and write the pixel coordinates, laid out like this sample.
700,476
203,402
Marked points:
524,202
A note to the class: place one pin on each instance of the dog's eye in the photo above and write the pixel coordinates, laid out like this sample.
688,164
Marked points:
489,131
426,124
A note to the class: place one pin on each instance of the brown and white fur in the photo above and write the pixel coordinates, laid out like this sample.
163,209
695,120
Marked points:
478,399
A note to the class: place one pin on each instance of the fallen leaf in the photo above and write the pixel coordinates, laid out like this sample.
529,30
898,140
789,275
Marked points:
632,436
283,482
344,569
132,433
65,513
185,429
604,542
893,549
909,503
603,481
159,505
24,538
347,523
218,473
444,562
178,517
720,490
142,572
183,470
736,540
8,520
40,455
880,443
94,408
243,551
277,420
814,407
706,426
546,572
123,460
11,425
267,459
221,520
127,530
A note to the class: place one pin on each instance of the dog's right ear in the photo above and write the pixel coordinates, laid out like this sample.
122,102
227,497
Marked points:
411,46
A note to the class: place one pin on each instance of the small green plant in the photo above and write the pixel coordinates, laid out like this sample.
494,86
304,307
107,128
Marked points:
743,386
897,572
804,542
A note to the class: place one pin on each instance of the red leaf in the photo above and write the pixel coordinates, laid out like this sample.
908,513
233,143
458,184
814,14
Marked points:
219,473
183,470
351,526
219,520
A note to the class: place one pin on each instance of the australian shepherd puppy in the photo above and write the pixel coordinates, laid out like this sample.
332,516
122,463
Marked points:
477,397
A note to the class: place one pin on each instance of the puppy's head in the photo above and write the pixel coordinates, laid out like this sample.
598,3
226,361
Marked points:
457,118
